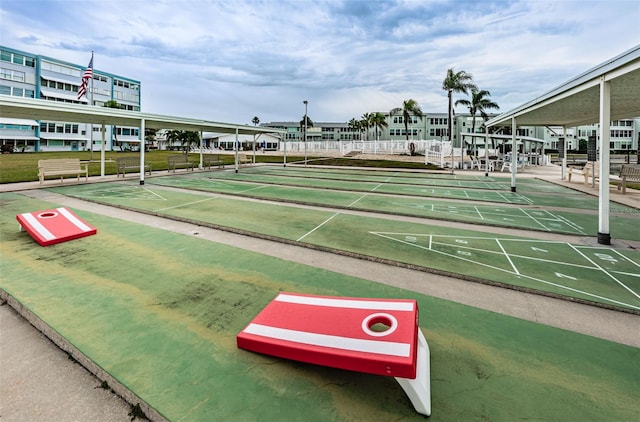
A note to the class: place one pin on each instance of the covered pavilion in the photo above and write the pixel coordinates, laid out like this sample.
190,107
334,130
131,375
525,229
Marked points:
38,109
609,91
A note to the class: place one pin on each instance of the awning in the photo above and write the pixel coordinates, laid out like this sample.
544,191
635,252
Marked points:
19,138
61,95
61,137
19,122
58,78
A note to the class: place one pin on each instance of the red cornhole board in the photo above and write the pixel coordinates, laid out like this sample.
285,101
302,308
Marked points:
337,332
53,226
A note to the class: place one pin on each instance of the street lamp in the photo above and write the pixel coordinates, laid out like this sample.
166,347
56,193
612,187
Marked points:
305,102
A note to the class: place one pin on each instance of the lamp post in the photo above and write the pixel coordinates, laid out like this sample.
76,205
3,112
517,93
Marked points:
305,102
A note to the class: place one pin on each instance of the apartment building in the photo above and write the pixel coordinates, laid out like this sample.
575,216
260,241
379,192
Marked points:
30,75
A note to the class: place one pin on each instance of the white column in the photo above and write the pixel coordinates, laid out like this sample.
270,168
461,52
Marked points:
142,148
236,149
486,151
604,237
514,154
564,152
200,165
102,151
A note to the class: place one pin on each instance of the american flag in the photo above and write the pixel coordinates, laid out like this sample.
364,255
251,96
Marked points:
88,74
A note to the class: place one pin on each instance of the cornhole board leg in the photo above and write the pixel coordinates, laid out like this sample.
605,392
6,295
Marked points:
419,389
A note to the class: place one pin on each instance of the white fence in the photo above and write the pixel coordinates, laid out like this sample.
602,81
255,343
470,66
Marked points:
364,147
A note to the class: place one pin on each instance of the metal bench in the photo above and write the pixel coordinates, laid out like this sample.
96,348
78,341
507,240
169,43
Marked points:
130,163
62,167
628,172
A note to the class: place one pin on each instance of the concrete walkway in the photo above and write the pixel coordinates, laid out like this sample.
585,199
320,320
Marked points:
39,382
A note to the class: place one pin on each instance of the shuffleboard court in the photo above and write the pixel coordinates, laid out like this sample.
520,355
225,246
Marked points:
160,313
420,179
499,259
537,192
507,216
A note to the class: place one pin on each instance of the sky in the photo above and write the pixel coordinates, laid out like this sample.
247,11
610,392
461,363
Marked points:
228,61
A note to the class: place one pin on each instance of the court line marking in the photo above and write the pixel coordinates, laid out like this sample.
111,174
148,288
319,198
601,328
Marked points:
254,188
637,264
354,202
606,272
535,220
318,226
135,194
479,213
508,257
186,204
507,271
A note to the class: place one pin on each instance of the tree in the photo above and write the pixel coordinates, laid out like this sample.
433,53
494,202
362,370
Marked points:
365,124
458,82
355,125
185,137
302,125
378,120
409,108
480,102
255,121
109,104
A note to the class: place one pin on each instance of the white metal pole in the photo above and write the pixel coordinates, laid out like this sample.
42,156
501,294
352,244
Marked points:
236,149
305,131
604,237
486,151
102,150
514,154
142,148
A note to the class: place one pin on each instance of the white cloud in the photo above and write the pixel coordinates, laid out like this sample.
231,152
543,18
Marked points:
229,61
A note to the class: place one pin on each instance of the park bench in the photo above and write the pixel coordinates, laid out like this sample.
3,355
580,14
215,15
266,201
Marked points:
212,160
591,169
181,161
130,163
628,172
244,159
62,167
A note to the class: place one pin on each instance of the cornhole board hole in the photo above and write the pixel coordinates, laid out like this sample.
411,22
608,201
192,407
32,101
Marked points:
376,336
53,226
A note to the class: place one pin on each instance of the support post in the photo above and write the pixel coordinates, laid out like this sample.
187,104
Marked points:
514,154
604,236
142,148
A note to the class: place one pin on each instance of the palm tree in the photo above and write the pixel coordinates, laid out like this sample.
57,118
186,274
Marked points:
409,108
255,121
456,82
355,125
378,120
480,102
365,124
173,136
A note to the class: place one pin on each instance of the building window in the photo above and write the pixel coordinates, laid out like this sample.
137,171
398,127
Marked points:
12,75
